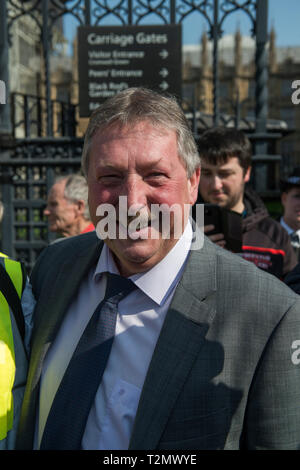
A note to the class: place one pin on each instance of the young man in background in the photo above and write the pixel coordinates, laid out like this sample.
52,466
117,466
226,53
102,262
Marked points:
225,171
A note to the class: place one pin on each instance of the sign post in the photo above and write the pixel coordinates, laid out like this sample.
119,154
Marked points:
111,59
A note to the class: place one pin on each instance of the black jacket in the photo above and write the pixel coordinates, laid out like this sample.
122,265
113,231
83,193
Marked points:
293,279
265,242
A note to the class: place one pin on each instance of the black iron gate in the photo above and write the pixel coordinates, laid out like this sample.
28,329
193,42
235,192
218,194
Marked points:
29,163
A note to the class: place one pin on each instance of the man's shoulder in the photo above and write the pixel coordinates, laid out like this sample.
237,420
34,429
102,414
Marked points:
233,272
273,229
217,261
70,244
57,253
266,232
238,288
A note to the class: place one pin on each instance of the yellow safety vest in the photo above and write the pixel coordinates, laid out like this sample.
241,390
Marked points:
7,353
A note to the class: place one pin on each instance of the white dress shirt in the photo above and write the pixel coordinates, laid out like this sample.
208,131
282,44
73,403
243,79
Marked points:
139,321
289,230
286,226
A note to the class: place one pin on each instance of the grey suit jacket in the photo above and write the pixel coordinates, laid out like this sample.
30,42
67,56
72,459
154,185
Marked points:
225,373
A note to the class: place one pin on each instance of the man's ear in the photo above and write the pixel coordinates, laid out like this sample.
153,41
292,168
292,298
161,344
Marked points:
283,198
247,174
193,184
80,206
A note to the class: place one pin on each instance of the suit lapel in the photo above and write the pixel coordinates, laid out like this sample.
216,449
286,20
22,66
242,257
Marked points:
187,322
68,280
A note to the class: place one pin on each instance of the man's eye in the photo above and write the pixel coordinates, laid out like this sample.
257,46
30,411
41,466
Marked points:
156,178
156,175
109,177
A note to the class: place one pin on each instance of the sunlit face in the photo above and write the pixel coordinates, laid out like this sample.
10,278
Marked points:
62,214
141,163
291,203
223,184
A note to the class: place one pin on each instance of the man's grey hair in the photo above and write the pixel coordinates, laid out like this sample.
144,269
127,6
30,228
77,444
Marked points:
134,105
76,189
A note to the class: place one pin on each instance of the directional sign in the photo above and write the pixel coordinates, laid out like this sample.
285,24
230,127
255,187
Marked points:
164,72
111,59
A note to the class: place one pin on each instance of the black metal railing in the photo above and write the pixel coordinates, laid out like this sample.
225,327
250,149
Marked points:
28,117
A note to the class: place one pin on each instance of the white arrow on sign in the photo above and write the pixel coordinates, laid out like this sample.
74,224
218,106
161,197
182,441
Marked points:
164,72
163,53
164,85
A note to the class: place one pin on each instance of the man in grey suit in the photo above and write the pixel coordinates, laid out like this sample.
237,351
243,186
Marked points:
205,352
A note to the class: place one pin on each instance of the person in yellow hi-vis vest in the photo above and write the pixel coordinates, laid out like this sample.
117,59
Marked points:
16,307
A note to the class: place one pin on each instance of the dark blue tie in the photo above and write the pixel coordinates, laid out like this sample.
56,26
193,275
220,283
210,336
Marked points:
71,405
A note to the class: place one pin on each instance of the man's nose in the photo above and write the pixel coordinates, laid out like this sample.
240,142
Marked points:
46,211
136,194
217,182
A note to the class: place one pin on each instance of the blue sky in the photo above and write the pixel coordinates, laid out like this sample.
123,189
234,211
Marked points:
284,16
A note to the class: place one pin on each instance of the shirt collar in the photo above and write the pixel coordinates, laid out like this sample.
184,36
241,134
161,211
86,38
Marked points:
160,280
286,226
